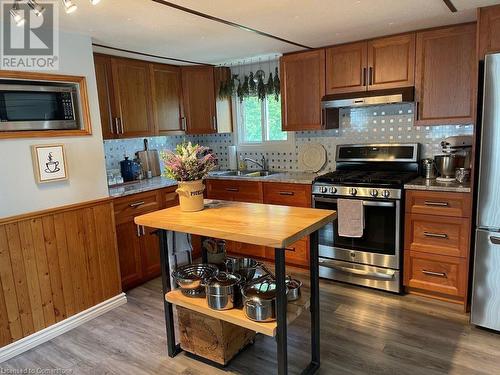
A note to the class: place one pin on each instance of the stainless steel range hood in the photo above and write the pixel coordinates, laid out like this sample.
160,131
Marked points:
331,104
369,98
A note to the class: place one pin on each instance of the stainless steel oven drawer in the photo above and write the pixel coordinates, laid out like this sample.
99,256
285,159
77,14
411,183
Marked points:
360,274
362,257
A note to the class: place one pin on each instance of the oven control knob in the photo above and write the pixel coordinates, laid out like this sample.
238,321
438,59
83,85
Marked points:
322,189
333,190
374,192
354,191
386,193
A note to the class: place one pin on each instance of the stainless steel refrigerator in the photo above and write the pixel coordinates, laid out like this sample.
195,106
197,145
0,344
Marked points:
486,284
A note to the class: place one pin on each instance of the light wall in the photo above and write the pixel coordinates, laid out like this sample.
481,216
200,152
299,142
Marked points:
19,193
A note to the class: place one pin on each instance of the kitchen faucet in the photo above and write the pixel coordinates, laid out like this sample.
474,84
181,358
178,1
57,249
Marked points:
262,164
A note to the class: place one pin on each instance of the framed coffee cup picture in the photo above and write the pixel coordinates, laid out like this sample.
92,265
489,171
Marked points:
49,163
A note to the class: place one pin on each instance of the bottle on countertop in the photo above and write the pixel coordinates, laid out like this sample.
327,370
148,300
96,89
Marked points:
242,165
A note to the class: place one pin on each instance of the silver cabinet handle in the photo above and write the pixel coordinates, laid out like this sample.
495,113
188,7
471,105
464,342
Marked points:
439,204
286,193
431,273
116,125
232,189
143,230
136,204
214,122
183,123
363,77
121,125
435,235
138,229
495,240
378,275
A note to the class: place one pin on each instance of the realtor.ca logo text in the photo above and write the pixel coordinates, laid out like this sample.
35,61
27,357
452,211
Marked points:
30,38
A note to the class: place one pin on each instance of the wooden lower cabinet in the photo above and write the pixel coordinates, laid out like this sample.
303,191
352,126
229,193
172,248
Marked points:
437,242
138,246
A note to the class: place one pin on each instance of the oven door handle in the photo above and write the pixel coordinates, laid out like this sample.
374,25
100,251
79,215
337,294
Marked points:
376,275
365,203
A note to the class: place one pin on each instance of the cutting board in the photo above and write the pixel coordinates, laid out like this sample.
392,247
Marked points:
150,160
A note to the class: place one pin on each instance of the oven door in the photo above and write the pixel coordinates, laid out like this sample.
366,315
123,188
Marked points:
380,243
37,107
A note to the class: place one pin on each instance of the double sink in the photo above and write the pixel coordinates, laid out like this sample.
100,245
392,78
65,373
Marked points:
243,173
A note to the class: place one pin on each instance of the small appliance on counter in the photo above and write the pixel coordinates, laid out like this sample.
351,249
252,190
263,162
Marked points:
456,155
429,171
130,169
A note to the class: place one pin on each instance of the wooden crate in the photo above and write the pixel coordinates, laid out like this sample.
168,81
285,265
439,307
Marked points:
211,338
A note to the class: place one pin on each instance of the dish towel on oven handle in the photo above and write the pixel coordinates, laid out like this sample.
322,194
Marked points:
351,217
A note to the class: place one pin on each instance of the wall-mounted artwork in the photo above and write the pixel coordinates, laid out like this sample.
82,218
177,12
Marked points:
49,163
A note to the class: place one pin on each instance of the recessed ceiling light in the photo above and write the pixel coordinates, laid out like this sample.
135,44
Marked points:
37,8
69,6
17,14
94,2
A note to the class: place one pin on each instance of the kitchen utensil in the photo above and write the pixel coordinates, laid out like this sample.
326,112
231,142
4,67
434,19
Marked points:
446,164
246,267
129,169
150,160
429,169
293,286
312,157
462,175
191,278
222,291
259,301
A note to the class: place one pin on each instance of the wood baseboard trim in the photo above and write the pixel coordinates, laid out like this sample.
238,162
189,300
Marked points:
46,334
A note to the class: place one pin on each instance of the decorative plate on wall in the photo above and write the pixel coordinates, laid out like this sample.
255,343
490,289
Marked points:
312,157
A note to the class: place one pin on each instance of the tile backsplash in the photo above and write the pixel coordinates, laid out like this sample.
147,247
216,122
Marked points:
381,124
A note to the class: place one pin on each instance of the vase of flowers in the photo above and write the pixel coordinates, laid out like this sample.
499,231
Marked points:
189,165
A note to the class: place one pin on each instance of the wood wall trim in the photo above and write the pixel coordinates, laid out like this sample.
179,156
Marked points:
85,109
53,211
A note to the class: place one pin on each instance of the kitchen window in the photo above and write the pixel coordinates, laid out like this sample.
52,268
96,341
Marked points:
259,124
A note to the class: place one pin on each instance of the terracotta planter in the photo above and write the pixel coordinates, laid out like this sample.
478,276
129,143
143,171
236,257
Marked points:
191,195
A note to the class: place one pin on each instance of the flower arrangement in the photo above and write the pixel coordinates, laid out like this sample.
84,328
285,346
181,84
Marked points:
188,162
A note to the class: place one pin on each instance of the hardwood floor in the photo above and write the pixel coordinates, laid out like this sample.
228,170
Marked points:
363,332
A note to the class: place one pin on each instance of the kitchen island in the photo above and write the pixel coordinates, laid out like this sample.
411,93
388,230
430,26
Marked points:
259,224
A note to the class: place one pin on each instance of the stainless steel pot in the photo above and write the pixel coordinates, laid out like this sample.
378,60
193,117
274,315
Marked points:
191,278
246,267
293,289
259,301
447,164
429,169
222,291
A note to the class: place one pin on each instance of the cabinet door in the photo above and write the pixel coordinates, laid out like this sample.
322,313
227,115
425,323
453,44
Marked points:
224,107
150,254
132,92
346,68
102,66
199,99
302,87
445,75
391,62
129,252
167,98
489,30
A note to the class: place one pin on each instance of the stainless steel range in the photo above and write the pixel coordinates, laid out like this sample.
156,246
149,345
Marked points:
375,175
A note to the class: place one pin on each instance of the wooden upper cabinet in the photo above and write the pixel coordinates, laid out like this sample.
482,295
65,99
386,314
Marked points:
489,30
391,62
167,98
223,106
346,68
302,87
102,64
199,99
132,93
445,75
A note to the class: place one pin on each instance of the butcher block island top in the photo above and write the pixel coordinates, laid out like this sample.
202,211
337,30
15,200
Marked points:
253,223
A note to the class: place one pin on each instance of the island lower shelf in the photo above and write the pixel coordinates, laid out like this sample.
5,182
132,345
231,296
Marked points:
237,316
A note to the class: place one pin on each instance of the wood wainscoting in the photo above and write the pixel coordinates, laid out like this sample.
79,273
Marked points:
55,264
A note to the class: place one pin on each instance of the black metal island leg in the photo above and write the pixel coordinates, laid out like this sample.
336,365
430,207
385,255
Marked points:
172,348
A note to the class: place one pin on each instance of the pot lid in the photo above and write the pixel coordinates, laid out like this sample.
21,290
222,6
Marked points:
293,284
263,290
224,279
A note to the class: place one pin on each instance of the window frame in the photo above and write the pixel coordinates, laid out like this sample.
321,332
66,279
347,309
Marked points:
265,145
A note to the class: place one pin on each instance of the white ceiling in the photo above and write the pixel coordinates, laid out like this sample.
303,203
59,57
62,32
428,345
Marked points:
149,27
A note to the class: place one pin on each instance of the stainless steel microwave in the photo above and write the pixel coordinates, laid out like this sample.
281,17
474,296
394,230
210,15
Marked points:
39,105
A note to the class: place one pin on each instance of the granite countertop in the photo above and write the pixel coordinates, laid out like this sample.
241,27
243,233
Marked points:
421,183
141,186
283,177
163,182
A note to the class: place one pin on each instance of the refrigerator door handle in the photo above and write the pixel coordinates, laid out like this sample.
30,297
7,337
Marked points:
495,240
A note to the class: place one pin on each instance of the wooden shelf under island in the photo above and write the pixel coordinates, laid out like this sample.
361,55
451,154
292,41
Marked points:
237,316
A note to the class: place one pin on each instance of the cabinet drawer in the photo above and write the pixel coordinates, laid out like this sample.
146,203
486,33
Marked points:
298,195
438,203
169,197
233,190
435,273
128,207
437,234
